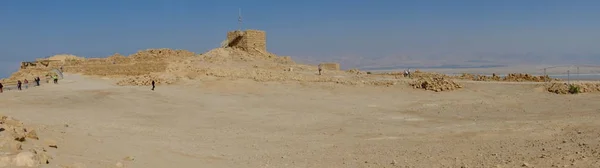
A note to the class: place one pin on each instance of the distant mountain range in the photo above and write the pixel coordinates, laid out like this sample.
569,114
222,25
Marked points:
488,60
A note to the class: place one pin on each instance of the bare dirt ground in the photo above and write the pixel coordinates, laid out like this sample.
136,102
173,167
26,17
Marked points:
215,122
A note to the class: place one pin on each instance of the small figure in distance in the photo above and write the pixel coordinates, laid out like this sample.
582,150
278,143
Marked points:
55,78
1,86
19,84
26,82
152,84
320,69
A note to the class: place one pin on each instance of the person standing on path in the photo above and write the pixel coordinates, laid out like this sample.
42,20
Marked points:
152,84
1,86
26,82
55,78
320,69
19,84
37,81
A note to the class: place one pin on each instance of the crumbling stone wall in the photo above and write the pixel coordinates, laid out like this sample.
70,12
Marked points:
40,64
247,40
330,66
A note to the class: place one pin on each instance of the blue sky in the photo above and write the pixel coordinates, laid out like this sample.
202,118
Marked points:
312,30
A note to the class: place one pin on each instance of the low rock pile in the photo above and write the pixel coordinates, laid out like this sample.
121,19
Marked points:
520,77
18,145
564,88
468,76
436,84
356,71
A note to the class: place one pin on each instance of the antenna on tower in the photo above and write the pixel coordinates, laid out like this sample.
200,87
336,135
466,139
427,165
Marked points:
240,19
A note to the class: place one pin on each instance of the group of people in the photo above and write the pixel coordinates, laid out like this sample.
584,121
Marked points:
26,83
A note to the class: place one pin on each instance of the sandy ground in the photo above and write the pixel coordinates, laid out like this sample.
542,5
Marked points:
224,123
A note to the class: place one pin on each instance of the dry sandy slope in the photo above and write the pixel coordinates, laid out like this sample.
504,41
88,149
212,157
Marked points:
222,123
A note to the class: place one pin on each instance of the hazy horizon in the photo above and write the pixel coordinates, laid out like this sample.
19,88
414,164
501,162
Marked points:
354,33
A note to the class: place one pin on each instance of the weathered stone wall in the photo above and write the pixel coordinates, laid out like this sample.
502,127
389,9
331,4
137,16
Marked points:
248,40
41,64
330,66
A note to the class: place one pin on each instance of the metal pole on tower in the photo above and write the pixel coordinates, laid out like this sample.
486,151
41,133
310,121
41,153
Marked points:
239,19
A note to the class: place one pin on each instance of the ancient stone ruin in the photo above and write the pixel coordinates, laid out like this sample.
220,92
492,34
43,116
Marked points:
330,66
248,40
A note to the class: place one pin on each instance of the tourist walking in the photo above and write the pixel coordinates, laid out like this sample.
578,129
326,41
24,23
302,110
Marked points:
26,82
153,85
1,86
19,85
320,69
55,78
37,81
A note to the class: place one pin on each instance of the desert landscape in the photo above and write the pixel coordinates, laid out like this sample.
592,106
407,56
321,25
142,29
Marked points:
242,106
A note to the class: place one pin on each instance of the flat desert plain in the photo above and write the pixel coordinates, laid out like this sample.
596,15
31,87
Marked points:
216,122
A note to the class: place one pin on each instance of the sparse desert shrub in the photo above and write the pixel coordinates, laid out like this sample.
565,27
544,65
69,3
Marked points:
573,89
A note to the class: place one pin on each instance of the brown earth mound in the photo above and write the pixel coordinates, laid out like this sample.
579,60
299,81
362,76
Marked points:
20,146
436,84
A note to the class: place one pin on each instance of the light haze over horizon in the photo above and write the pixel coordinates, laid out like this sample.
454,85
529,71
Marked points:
513,31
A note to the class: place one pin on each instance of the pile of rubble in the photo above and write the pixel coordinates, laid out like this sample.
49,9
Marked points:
436,84
467,76
19,145
356,71
521,77
564,88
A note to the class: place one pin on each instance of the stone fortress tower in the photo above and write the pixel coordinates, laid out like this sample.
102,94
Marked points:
247,40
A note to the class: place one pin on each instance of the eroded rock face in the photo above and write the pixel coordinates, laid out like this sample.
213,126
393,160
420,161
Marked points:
13,139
